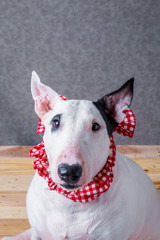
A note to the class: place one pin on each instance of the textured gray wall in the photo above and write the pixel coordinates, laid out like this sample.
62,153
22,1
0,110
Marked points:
83,49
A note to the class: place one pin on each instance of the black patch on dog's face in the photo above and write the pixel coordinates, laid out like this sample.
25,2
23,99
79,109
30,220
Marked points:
108,105
111,124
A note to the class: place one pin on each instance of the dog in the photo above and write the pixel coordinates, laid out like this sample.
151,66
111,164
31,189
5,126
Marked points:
77,142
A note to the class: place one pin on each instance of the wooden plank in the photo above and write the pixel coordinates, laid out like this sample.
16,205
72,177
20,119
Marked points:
14,151
9,227
133,151
150,165
15,183
140,151
19,180
13,199
155,177
16,166
13,212
17,160
20,177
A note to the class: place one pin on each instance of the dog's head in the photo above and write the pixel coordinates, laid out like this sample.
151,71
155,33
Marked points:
77,132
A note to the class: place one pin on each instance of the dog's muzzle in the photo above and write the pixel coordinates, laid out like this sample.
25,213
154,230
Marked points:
70,175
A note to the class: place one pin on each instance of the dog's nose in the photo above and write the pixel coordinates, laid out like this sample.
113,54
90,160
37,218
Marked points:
70,173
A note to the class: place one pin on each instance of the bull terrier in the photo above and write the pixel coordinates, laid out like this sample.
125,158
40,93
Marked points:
83,189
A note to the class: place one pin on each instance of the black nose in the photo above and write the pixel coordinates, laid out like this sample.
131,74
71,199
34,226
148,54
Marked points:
70,174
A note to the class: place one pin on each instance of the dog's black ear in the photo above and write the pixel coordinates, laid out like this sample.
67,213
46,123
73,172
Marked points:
117,102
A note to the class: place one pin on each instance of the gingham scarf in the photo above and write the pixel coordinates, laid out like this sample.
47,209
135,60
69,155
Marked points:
101,182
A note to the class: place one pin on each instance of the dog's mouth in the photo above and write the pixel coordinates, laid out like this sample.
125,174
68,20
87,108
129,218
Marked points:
70,186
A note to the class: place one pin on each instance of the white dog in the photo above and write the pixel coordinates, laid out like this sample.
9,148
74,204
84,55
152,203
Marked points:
86,193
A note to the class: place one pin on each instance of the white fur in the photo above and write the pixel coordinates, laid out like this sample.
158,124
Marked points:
129,210
75,134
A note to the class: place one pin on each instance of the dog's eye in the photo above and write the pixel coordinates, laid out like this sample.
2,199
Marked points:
95,127
55,122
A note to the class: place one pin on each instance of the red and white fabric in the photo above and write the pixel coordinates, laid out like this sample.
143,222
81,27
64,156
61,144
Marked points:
101,182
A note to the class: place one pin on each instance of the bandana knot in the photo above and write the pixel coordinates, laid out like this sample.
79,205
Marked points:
101,182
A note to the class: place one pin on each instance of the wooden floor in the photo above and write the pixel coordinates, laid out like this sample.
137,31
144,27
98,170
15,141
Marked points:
16,173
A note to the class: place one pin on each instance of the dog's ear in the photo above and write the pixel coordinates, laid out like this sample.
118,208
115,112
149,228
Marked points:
117,102
45,98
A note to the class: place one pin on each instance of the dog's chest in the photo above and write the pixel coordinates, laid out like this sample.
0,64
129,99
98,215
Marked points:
60,226
68,220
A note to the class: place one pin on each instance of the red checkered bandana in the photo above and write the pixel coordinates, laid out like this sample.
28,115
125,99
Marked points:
101,182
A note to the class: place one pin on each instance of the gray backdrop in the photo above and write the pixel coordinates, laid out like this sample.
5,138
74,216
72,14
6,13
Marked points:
83,49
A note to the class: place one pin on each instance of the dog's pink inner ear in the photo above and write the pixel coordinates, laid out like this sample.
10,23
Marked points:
117,102
42,105
45,98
